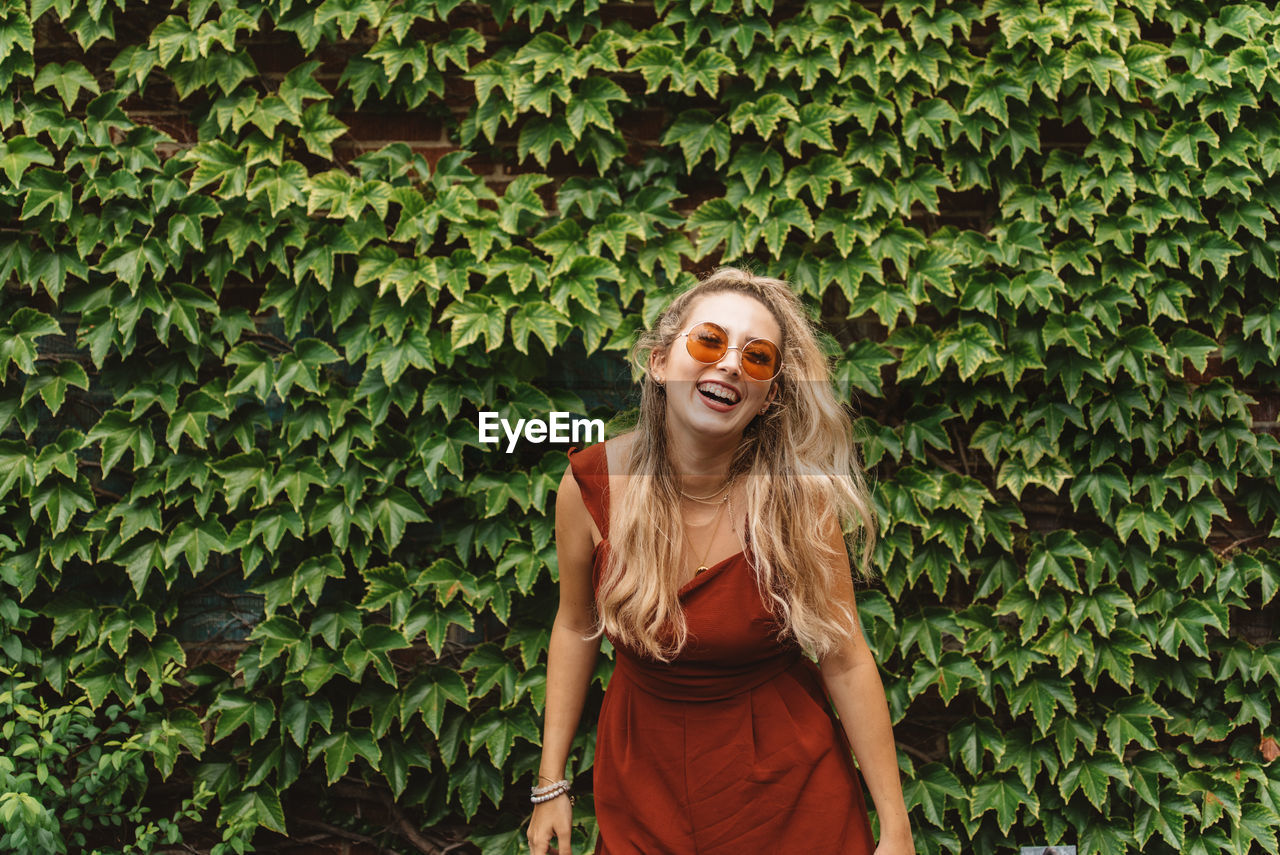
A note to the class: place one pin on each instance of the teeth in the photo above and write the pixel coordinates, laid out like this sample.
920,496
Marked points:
719,389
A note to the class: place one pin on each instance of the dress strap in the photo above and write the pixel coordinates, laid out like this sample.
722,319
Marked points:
591,471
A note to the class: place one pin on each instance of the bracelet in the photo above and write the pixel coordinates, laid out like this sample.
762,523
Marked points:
537,800
542,791
549,792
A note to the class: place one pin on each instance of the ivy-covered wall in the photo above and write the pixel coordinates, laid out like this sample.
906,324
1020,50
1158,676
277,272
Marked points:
264,263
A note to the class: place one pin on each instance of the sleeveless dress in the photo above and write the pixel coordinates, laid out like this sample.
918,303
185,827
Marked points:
730,749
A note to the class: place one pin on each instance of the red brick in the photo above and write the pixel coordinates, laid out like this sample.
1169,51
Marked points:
392,127
173,123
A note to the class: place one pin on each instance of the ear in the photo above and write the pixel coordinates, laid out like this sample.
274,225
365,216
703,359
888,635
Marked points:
658,365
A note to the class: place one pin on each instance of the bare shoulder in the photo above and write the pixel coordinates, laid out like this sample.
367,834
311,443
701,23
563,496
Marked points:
574,525
575,536
572,515
618,452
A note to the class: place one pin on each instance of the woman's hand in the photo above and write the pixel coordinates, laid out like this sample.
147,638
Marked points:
551,819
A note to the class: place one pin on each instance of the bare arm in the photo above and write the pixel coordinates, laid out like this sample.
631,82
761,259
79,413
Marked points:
570,661
852,679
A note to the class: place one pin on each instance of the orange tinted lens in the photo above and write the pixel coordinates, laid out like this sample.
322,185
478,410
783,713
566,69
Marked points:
707,342
760,359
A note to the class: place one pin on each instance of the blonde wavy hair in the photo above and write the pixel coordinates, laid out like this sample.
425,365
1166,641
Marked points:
805,478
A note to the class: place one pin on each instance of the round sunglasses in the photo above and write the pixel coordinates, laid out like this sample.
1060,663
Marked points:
708,343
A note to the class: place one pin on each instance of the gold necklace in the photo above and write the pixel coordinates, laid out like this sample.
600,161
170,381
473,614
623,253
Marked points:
704,499
702,564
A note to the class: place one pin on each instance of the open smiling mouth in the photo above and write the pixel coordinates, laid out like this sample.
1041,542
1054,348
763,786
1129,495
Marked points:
717,398
719,395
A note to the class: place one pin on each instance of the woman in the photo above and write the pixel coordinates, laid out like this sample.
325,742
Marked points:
706,544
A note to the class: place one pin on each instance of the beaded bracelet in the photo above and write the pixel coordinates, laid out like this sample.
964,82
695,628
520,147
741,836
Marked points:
557,785
538,791
540,799
549,792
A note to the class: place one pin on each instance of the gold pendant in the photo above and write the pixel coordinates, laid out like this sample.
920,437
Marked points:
699,570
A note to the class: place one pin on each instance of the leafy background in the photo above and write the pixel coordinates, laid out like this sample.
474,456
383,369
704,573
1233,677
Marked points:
264,262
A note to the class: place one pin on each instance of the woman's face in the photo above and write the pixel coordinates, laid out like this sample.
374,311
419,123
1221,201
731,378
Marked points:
691,384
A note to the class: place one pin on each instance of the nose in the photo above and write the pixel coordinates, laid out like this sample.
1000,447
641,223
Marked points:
736,363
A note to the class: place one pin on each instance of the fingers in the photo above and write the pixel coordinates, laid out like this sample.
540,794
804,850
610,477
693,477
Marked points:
551,819
540,842
541,830
538,837
564,828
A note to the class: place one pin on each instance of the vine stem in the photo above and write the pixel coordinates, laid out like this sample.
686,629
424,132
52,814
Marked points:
336,831
938,461
101,491
916,752
1231,547
406,828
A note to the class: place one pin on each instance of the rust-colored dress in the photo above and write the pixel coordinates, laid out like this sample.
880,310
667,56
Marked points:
731,749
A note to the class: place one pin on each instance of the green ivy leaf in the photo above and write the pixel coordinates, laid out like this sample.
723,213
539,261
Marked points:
697,132
497,730
397,757
542,320
763,114
392,511
341,749
540,135
428,693
812,127
52,387
60,500
373,646
1093,775
1129,722
703,70
234,707
67,79
933,786
969,347
717,222
1051,558
472,318
1004,794
1188,623
590,105
456,47
1150,523
215,161
18,342
1042,695
655,63
475,776
260,805
785,215
47,189
348,14
283,187
195,540
580,283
